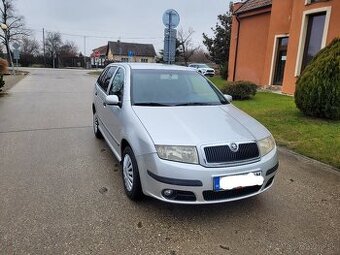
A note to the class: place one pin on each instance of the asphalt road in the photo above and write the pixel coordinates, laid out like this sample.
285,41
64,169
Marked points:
61,190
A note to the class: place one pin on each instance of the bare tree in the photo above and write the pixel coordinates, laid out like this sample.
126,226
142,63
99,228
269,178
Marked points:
200,56
185,44
12,25
69,49
53,44
29,46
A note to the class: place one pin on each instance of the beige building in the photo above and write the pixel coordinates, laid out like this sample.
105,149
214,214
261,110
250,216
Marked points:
125,52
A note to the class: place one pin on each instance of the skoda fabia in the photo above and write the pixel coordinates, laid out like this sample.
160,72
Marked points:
178,138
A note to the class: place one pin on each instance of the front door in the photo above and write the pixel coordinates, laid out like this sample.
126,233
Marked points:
113,113
281,56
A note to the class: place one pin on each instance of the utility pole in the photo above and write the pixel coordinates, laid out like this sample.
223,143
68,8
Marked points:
85,51
44,48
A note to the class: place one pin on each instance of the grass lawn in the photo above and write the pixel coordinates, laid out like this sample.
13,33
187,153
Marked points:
315,138
94,73
218,81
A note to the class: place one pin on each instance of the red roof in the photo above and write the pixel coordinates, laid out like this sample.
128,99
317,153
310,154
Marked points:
250,5
102,50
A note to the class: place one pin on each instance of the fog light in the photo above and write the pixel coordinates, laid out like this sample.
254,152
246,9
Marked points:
168,192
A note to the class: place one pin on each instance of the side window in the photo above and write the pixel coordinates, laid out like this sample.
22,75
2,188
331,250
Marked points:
117,83
101,78
108,77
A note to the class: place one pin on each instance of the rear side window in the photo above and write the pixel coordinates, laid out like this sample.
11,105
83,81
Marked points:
105,77
100,80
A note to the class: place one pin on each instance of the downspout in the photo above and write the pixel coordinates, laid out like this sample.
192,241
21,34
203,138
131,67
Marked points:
238,33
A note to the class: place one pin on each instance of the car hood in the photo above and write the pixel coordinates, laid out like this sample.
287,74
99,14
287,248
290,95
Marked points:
198,125
206,69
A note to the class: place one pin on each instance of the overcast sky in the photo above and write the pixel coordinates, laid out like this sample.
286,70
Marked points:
128,20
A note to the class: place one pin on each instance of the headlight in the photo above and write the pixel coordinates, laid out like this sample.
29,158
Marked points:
185,154
266,145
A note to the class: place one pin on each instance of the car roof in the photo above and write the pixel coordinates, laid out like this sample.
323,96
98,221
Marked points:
154,66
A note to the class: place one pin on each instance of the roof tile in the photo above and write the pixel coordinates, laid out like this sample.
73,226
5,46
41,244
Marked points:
250,5
122,48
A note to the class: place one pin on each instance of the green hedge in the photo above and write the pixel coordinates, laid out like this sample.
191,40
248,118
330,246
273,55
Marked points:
240,90
318,88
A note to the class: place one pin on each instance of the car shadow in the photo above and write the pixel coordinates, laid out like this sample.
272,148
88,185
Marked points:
202,212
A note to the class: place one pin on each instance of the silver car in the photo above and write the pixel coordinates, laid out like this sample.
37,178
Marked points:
178,138
203,69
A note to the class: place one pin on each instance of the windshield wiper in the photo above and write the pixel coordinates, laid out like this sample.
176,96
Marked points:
194,103
150,104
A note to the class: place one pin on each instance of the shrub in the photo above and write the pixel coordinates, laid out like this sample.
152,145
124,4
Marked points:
318,88
240,90
3,70
224,71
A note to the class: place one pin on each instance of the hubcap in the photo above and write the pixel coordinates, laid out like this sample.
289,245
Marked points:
128,172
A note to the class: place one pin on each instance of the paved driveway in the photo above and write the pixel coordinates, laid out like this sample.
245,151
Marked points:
61,190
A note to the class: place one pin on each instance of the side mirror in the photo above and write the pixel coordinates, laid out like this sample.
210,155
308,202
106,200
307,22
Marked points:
229,98
112,100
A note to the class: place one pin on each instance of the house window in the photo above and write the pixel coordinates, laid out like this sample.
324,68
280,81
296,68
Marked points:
144,60
315,1
125,59
314,36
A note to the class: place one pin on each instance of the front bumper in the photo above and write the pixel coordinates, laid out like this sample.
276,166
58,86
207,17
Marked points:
158,175
209,73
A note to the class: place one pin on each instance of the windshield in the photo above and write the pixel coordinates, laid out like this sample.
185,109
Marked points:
173,88
203,66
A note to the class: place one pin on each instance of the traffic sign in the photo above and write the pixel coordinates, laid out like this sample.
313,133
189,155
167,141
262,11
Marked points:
16,45
172,33
97,54
171,18
16,54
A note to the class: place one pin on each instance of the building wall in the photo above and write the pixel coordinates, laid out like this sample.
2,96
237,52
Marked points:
118,58
295,29
257,40
252,41
280,24
233,43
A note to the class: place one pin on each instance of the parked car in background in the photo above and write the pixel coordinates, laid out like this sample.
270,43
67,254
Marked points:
178,138
203,69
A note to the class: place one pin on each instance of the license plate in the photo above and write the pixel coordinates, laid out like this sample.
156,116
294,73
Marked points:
237,181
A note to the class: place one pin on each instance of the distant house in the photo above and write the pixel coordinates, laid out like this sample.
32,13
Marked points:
98,56
130,52
272,41
123,52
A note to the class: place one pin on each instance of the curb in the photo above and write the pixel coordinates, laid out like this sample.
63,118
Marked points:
325,166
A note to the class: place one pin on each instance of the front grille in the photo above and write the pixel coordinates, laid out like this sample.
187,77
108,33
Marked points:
223,154
210,195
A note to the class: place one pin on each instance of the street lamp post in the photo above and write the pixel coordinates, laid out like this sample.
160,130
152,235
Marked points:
4,28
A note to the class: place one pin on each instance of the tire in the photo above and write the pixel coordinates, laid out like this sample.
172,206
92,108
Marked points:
95,124
130,175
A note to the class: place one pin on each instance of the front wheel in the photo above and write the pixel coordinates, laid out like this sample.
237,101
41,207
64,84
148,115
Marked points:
95,124
130,174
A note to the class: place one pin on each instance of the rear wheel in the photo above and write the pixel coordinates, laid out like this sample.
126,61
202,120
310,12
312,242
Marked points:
130,174
96,130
